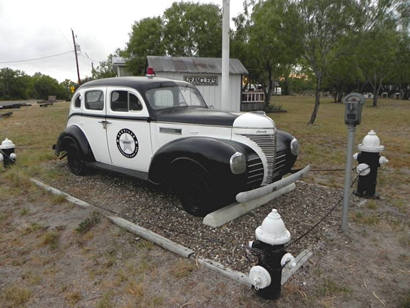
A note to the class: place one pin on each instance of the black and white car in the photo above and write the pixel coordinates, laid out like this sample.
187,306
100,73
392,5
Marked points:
162,131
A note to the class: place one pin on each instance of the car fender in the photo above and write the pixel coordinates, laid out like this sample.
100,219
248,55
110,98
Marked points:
212,155
74,134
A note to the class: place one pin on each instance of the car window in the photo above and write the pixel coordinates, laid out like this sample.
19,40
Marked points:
119,101
174,96
77,101
124,101
134,103
163,98
187,95
94,100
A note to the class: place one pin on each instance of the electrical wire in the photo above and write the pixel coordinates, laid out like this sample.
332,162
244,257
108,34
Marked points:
326,215
35,59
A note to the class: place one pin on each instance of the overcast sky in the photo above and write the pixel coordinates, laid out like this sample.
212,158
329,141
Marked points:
38,28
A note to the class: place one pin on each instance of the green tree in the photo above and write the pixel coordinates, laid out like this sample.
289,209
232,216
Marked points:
14,84
44,86
146,38
193,29
343,73
376,63
104,69
274,42
324,24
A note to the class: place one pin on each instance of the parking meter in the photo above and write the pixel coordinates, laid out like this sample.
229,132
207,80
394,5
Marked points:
353,115
353,108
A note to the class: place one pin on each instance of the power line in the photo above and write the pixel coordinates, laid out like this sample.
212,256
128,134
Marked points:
35,59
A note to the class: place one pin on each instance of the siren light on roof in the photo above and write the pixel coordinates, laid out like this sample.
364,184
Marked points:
150,72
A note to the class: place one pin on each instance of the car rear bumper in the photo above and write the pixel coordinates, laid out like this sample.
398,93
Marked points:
246,196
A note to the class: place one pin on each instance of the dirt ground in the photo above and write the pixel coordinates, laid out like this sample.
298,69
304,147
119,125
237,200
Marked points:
55,254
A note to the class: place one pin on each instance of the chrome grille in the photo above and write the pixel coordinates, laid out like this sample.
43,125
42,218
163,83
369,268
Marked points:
268,145
280,163
255,172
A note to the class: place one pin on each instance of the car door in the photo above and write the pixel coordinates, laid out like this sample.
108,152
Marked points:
92,122
128,129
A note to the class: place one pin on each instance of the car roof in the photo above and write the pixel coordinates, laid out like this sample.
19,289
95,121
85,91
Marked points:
138,83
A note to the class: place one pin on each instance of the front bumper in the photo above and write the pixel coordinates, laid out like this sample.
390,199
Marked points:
246,196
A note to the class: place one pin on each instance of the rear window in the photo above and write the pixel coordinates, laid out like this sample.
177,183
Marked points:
124,101
94,100
77,101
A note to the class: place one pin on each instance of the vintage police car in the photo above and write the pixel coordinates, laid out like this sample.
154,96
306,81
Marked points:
161,130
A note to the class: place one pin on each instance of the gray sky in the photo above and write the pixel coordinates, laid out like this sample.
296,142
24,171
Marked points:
37,28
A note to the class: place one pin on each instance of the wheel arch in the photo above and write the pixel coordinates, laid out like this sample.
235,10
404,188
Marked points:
74,134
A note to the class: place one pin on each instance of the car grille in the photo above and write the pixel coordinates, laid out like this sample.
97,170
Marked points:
255,172
268,145
280,163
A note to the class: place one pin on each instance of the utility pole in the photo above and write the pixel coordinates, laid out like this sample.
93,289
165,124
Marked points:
76,57
225,57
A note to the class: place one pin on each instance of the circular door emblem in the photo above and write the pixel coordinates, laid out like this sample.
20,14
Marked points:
127,143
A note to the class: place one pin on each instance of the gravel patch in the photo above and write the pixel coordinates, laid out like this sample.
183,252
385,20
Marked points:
161,212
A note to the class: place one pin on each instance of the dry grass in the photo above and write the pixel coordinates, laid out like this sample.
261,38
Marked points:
182,268
323,144
15,295
51,239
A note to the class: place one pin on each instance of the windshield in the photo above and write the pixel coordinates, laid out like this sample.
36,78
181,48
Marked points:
177,96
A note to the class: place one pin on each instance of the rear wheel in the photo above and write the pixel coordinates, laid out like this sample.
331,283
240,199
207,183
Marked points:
193,190
75,160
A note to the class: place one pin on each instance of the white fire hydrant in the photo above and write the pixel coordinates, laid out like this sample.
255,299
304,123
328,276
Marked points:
369,160
7,153
271,238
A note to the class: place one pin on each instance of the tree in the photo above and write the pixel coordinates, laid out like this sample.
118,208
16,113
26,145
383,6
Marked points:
193,29
44,86
377,24
104,69
325,22
376,62
146,38
343,74
401,69
274,42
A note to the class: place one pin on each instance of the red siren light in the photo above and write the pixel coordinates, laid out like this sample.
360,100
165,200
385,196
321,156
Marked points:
150,72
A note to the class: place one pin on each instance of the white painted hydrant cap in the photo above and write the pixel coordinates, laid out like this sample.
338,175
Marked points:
273,230
7,144
371,143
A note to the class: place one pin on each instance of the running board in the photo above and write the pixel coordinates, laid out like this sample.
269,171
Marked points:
123,171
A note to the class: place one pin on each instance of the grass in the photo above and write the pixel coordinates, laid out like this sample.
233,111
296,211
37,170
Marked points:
364,219
51,239
88,223
331,288
182,268
323,145
16,295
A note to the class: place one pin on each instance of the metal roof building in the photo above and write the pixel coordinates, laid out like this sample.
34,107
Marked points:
194,65
205,74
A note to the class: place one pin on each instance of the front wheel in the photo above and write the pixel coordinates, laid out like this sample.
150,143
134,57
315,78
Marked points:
76,163
194,191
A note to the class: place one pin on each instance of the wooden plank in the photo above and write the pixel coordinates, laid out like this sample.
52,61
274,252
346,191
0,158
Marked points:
288,271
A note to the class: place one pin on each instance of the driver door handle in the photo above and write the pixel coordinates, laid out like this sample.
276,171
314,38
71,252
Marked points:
104,123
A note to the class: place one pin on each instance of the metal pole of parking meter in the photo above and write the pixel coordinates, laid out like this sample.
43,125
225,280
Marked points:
353,114
348,175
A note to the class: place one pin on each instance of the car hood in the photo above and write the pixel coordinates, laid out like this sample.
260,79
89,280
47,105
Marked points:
197,116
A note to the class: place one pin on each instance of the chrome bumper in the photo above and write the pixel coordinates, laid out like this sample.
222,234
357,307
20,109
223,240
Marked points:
246,196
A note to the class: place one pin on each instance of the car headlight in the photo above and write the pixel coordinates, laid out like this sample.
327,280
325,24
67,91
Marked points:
238,163
294,146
